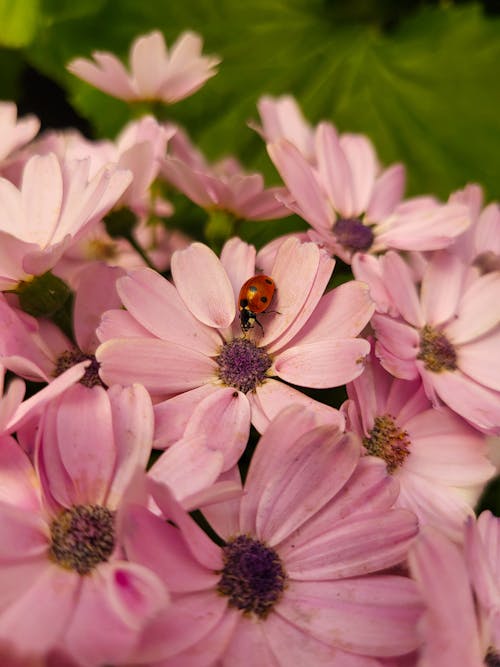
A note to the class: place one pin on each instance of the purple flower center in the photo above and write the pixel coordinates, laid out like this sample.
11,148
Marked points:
71,358
243,365
492,658
388,442
253,576
353,234
436,351
82,537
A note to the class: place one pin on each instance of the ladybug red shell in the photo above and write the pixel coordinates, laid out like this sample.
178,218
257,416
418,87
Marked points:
255,296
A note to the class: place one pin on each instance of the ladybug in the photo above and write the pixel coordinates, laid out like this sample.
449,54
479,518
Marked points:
255,296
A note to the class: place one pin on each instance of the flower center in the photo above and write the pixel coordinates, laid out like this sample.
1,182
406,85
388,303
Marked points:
242,364
71,358
82,537
487,262
436,351
388,442
492,658
253,576
353,234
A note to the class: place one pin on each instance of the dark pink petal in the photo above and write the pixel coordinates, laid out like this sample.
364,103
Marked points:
18,485
387,192
17,576
36,621
223,418
335,171
442,288
85,442
441,575
22,534
204,285
374,616
367,543
172,415
300,488
273,449
96,293
273,396
157,306
302,182
322,364
133,424
162,367
188,466
341,313
477,404
249,640
476,314
121,597
482,550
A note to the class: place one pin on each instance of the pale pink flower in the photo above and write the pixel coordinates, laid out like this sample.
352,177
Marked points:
439,460
63,575
447,332
480,244
155,73
456,629
14,133
54,206
185,343
299,579
352,204
221,186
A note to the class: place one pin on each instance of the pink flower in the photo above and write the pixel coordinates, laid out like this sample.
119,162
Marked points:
15,133
352,204
62,572
223,186
55,204
439,460
155,74
448,333
185,343
298,579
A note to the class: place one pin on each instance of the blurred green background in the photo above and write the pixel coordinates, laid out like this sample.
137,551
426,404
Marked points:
420,78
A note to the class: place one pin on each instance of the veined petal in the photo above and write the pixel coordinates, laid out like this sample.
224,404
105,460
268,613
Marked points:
334,170
400,285
442,288
363,166
477,313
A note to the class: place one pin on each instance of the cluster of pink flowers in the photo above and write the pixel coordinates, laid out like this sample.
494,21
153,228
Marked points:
143,522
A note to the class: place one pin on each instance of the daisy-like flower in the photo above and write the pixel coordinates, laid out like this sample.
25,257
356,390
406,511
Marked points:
185,342
155,74
456,627
298,579
352,204
53,207
15,133
221,186
439,460
447,332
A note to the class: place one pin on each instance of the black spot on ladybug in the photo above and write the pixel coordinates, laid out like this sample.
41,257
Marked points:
263,299
243,303
269,282
235,394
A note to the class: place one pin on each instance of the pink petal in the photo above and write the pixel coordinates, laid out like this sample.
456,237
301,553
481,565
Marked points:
271,397
163,368
18,485
477,404
301,180
22,534
148,57
397,337
120,324
476,314
203,285
387,192
354,547
249,640
322,364
133,425
374,616
343,312
442,288
238,260
172,415
363,166
400,285
224,418
12,219
299,489
109,74
42,192
157,306
85,442
334,170
96,293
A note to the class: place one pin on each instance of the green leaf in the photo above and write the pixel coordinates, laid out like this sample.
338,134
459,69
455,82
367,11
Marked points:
426,92
18,21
